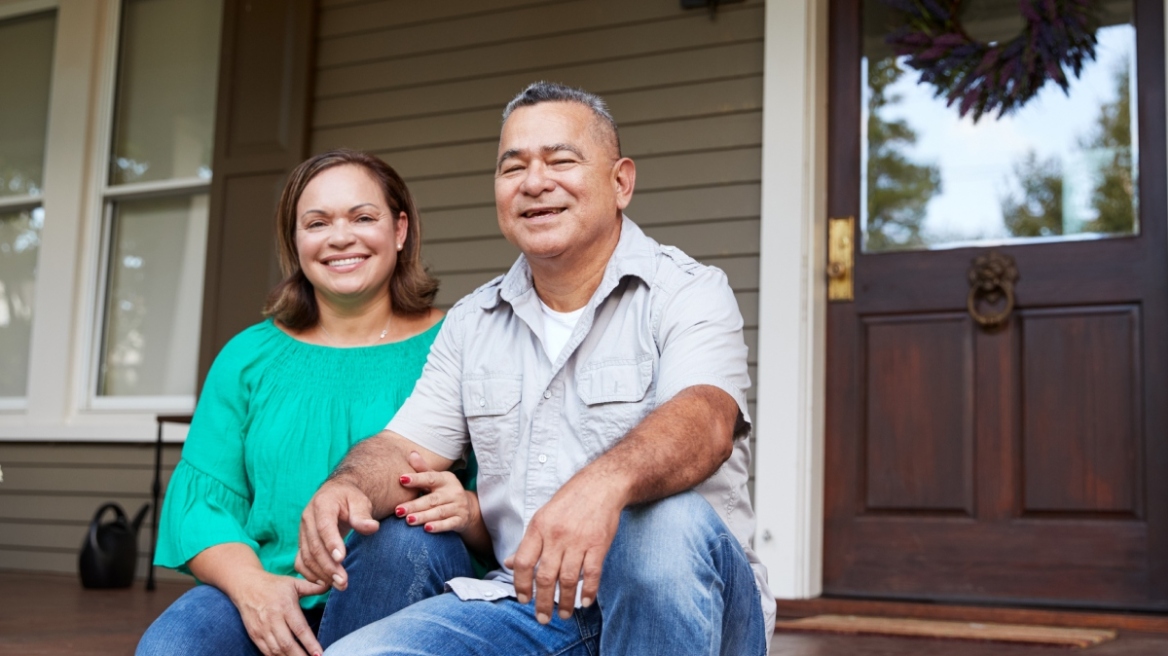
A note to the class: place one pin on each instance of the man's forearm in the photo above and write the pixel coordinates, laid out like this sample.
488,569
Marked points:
375,467
679,445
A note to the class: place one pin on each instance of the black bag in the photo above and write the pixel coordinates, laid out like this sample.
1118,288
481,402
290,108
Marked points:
109,555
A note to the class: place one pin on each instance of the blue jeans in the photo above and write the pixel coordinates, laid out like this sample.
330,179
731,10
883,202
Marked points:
675,581
395,567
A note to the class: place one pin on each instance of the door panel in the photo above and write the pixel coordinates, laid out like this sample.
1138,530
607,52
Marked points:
1023,464
919,438
1080,439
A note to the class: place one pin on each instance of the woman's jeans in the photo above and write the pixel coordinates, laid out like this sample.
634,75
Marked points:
675,581
389,570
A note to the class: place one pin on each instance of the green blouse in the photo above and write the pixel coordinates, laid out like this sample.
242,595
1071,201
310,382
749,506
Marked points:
275,417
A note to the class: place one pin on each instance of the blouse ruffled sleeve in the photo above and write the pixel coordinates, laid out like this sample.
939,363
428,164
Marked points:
208,498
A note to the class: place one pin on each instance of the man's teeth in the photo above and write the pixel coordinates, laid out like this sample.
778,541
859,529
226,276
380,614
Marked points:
533,213
345,262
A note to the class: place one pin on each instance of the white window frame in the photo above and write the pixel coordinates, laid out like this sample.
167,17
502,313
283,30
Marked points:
61,402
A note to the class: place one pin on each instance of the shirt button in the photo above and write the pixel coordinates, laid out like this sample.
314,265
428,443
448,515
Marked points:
542,458
547,394
482,402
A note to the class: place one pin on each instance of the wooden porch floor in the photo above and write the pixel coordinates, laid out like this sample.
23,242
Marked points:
51,615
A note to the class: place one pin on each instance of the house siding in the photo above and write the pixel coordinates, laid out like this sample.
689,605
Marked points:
50,492
422,85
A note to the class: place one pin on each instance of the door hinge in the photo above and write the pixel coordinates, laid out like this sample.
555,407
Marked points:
841,258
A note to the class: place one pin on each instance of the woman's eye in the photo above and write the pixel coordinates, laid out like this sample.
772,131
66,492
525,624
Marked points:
365,219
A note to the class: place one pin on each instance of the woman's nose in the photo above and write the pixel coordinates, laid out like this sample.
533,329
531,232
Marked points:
341,233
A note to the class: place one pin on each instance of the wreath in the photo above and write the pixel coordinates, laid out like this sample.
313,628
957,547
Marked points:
1001,76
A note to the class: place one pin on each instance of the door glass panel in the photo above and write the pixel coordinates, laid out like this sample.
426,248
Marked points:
1058,166
20,239
155,297
26,47
167,73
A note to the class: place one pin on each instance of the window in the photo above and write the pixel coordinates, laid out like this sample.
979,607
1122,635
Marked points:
23,125
155,198
106,142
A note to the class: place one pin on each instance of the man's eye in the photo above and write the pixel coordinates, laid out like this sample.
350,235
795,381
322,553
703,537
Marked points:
511,169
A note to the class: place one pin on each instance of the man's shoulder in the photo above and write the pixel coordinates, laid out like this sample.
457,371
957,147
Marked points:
676,269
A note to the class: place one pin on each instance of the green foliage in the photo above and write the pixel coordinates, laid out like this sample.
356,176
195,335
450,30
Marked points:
899,190
1115,195
1039,210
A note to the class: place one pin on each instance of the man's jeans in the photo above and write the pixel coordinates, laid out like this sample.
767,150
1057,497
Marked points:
675,581
389,570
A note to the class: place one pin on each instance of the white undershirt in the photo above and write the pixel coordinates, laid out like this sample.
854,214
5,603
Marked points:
557,329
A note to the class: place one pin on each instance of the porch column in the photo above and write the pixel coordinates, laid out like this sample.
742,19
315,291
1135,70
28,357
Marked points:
792,305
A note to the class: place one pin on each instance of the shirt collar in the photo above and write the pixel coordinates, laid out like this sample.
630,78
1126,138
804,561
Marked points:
634,255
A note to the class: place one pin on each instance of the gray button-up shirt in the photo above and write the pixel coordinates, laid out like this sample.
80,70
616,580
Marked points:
658,323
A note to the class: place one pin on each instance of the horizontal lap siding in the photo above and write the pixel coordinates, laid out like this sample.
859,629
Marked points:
51,491
422,85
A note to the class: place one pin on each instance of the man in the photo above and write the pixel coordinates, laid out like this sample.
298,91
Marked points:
601,383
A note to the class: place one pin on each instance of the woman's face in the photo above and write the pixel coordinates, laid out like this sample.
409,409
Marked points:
346,235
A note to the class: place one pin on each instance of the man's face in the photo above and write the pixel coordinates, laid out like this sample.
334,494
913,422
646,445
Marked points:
559,185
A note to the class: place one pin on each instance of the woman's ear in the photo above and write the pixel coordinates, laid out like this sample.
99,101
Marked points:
401,229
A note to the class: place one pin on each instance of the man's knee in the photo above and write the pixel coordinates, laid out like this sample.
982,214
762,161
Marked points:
664,542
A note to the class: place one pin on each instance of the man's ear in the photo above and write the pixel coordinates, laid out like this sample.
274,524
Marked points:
624,178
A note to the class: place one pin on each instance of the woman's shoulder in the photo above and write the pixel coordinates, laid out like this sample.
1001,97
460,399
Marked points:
256,342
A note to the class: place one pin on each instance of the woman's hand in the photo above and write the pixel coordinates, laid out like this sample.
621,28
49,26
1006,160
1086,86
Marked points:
270,607
446,506
269,604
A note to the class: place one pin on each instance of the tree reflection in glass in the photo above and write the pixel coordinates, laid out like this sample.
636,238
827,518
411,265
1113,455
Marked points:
1064,166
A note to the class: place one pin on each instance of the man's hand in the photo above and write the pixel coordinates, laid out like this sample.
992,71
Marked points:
335,508
568,537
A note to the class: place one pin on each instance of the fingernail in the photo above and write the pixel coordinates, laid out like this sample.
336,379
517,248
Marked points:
523,599
405,480
542,618
338,579
400,511
565,614
428,528
337,555
586,601
411,519
320,582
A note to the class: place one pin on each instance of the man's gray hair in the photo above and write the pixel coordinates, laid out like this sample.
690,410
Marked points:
541,92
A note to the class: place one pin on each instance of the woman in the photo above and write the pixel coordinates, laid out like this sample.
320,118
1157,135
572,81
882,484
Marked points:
347,333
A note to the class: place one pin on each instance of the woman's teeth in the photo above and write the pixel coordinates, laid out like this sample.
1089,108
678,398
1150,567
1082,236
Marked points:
345,262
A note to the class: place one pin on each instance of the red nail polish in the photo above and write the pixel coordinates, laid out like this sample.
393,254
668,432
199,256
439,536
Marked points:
428,528
411,519
400,511
405,480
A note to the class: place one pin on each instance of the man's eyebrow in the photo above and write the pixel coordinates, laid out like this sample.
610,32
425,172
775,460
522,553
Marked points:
513,152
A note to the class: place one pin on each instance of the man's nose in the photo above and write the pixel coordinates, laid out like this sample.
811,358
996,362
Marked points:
536,180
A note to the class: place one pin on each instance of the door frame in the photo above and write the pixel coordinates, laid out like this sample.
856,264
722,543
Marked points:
791,390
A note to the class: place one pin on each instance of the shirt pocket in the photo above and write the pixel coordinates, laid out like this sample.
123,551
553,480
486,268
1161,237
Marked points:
491,406
615,398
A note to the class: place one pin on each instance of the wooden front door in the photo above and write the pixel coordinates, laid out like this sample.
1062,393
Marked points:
1025,463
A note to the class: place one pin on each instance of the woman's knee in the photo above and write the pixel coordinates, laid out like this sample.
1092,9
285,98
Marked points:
202,620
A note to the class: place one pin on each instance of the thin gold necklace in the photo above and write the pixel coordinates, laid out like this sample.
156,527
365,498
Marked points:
337,343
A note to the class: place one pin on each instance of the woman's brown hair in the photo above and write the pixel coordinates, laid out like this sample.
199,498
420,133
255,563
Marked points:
411,288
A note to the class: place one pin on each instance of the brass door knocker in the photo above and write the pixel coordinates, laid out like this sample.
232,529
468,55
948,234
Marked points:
992,277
